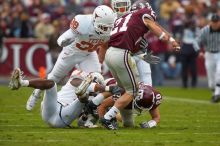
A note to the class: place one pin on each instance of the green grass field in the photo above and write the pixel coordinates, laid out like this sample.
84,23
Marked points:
187,119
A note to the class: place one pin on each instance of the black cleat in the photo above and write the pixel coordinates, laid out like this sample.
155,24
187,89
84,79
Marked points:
215,98
109,124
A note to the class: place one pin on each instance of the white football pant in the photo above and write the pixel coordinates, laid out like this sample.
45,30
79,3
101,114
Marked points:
57,115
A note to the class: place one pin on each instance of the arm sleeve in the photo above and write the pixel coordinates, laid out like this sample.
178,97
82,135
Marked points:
201,38
66,38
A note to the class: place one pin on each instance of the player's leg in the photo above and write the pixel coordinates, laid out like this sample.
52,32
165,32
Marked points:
124,70
72,111
217,78
50,108
17,81
127,117
91,63
64,64
210,65
144,71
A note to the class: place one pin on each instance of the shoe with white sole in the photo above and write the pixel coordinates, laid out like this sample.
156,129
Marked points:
33,99
16,77
81,89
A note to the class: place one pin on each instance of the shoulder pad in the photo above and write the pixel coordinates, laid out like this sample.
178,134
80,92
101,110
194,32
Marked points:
80,23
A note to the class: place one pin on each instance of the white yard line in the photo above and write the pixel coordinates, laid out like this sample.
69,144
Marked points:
181,99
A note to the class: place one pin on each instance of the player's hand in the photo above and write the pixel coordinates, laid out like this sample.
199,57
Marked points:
144,125
116,90
149,58
149,124
176,46
143,44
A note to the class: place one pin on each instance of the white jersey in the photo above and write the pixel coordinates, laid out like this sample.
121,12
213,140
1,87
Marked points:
67,93
81,37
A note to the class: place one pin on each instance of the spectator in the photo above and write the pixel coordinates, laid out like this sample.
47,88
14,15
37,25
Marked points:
54,48
167,8
88,7
44,28
177,22
35,9
158,47
73,8
26,26
189,54
171,65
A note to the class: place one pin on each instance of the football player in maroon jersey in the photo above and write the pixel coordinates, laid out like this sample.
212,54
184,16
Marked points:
128,30
147,98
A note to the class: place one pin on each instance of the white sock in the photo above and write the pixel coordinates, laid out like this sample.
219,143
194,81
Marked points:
111,113
91,87
217,89
24,83
98,99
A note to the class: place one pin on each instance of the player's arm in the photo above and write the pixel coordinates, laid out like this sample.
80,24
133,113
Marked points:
102,50
155,115
160,32
69,36
66,38
108,102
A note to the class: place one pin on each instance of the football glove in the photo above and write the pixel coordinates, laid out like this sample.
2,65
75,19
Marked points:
143,45
116,90
151,59
149,124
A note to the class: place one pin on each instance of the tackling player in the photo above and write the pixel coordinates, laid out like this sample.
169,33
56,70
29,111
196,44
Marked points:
122,7
126,32
60,109
80,42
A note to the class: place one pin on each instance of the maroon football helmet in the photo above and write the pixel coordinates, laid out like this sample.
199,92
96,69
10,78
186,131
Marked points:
140,4
147,98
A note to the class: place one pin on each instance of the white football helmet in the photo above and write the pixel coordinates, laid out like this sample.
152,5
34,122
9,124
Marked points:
121,7
97,77
103,18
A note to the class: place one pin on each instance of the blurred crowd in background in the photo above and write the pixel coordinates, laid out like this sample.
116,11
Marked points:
47,19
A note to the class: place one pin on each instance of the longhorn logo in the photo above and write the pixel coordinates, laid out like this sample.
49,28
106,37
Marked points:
96,16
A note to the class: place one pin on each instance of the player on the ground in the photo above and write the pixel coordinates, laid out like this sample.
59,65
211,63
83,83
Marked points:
126,32
147,99
80,42
60,109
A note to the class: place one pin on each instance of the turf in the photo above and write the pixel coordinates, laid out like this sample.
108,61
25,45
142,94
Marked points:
187,119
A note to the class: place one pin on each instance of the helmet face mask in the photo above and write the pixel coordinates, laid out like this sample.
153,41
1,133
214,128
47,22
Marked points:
121,7
103,19
140,4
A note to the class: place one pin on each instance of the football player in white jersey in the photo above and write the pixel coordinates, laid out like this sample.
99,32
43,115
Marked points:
80,42
121,7
60,109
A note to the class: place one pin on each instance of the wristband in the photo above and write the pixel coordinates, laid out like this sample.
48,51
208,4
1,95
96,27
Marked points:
161,36
107,88
171,39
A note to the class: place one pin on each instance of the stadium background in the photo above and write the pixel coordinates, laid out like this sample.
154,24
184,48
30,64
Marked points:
28,33
30,28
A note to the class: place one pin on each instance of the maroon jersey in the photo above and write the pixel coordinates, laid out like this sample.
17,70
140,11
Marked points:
129,28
